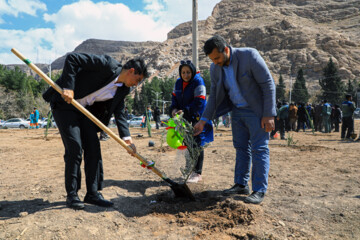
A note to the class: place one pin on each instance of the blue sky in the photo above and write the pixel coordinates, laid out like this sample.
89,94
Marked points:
45,30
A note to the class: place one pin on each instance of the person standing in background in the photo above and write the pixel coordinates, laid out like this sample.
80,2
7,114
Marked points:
348,108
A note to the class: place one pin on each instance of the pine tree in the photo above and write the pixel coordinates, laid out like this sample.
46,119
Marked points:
331,84
300,93
136,102
207,80
280,89
351,87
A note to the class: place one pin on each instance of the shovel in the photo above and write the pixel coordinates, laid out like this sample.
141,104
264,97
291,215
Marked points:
180,190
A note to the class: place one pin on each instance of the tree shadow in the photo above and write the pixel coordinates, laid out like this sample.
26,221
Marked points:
12,209
160,201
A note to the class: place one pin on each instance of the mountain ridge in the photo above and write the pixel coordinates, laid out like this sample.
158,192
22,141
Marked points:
289,34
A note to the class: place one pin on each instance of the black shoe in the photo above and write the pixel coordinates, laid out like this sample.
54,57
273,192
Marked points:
73,201
255,198
104,138
97,199
237,189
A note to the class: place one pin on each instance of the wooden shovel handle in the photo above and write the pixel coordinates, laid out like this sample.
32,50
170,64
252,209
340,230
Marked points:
85,111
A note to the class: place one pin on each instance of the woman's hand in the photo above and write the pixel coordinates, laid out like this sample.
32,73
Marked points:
175,112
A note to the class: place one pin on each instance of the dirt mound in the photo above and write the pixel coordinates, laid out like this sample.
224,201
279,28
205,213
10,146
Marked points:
210,214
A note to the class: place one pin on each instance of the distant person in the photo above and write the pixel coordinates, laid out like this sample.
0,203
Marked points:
32,117
242,83
283,114
226,120
293,116
302,117
126,112
310,118
36,118
148,116
326,113
348,108
157,114
337,117
318,117
100,84
189,98
273,132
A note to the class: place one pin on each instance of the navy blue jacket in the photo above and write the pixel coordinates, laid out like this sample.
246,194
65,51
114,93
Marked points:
192,101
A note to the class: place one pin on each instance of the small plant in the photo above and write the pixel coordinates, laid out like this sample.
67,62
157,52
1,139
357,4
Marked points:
190,155
290,140
147,120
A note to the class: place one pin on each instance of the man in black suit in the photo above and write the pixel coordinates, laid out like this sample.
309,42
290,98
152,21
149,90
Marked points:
100,84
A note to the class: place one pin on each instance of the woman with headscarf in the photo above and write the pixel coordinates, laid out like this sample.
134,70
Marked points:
189,98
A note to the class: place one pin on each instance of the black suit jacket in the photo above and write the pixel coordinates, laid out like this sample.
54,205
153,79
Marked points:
85,74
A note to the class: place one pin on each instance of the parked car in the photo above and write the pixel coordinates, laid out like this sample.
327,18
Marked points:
163,119
135,121
16,123
45,122
357,113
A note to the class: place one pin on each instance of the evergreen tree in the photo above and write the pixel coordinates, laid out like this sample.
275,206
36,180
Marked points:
331,84
352,87
2,73
300,93
129,103
207,80
136,102
280,89
167,87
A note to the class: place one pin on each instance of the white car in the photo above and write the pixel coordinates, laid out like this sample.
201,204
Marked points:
45,122
16,123
357,113
135,121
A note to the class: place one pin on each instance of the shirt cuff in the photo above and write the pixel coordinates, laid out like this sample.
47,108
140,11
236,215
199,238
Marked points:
204,119
126,138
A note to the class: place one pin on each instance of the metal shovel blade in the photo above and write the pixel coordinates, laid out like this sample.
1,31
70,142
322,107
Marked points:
180,190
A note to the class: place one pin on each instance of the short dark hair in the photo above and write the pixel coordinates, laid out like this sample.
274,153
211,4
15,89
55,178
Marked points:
139,65
348,96
215,42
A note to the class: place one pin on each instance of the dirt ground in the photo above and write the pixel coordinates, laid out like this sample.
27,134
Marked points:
314,192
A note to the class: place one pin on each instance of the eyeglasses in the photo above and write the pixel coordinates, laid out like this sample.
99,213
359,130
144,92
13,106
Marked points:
185,62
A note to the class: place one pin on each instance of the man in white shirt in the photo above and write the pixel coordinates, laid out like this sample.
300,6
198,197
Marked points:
100,84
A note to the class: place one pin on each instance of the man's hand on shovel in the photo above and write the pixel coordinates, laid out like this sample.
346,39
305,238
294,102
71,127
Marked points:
68,95
132,146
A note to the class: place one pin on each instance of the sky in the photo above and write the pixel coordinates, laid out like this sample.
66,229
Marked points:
43,30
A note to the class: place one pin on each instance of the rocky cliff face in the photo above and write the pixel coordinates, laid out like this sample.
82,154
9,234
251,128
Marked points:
120,50
290,34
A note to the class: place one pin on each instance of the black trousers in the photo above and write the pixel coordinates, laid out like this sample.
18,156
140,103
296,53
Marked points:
347,124
79,136
199,163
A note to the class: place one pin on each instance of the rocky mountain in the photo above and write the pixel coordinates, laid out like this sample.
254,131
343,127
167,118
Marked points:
290,34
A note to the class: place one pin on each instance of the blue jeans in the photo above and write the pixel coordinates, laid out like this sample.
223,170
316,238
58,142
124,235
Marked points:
252,151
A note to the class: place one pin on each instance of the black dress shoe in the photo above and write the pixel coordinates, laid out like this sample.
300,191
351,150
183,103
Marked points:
73,201
97,199
255,198
237,189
